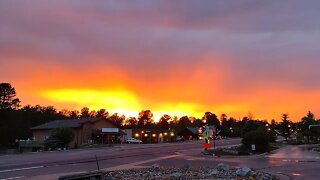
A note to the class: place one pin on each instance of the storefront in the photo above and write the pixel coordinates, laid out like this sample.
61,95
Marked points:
154,136
108,136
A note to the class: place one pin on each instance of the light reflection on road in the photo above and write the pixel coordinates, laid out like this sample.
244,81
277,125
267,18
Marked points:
288,153
293,154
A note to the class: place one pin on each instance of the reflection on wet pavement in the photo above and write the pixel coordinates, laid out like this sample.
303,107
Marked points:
293,154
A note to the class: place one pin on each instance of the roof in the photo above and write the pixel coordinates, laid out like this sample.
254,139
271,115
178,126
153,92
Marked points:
66,123
113,133
193,130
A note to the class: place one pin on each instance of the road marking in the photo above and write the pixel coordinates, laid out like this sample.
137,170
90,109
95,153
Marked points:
18,177
21,169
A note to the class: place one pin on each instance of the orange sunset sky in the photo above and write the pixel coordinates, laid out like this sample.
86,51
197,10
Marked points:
172,57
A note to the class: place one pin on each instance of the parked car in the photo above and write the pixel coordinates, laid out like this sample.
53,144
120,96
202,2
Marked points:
133,140
180,138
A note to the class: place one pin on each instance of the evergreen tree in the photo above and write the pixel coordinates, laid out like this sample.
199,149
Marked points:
7,97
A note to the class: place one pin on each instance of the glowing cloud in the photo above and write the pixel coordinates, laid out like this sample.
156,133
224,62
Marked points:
178,58
122,102
177,109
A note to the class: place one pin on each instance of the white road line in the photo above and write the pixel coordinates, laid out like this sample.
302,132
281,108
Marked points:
20,169
18,177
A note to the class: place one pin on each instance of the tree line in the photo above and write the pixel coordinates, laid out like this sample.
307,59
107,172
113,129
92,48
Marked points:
16,121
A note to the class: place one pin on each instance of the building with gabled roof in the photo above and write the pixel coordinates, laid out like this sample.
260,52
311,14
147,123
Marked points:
189,133
87,130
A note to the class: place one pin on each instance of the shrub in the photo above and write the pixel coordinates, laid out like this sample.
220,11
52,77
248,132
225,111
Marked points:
59,138
65,135
272,136
258,137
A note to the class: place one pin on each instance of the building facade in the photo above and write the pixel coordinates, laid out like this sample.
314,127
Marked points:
89,130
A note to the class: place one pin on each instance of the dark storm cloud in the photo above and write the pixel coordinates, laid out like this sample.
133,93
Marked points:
263,41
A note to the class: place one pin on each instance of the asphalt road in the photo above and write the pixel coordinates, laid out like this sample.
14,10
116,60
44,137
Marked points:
53,164
290,162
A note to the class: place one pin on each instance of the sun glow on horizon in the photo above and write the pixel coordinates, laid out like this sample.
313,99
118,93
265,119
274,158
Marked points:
127,102
121,102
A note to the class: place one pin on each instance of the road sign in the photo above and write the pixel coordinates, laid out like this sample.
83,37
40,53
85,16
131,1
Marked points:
253,147
206,146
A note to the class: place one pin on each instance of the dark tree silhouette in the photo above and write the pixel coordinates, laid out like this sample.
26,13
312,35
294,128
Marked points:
174,122
7,97
273,124
85,113
164,122
245,118
223,117
305,123
118,120
227,126
74,114
102,113
131,122
212,119
197,123
65,112
18,122
183,122
145,119
285,126
93,114
250,125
